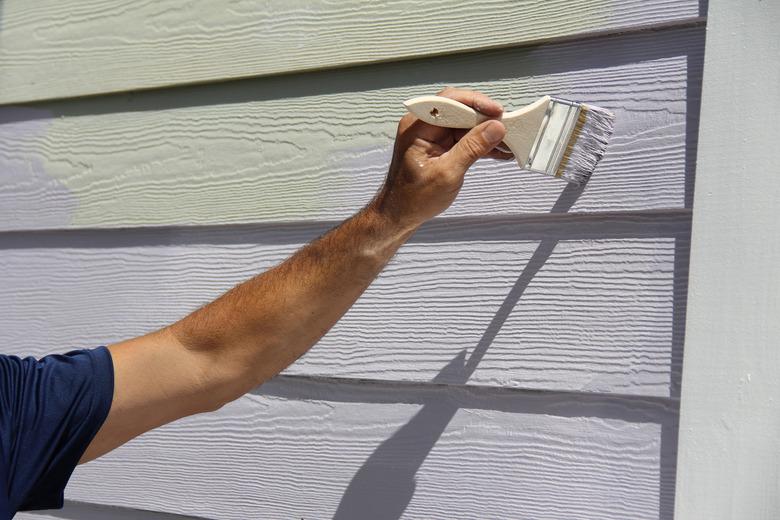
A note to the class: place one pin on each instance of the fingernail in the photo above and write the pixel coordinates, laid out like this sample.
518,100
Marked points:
493,132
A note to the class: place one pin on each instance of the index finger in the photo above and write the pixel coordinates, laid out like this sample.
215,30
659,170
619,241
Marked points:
476,100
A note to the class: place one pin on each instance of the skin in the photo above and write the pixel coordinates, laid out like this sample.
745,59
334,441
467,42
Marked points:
258,328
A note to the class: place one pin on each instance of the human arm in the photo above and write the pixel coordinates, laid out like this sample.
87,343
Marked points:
254,331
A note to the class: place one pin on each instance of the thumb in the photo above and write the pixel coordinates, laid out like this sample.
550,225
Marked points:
478,142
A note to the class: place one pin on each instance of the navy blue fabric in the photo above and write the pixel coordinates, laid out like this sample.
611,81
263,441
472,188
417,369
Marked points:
50,410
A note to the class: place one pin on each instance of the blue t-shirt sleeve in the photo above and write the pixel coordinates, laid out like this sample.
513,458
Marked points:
50,410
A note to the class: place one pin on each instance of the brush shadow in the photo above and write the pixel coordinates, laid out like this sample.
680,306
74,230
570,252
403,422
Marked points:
382,489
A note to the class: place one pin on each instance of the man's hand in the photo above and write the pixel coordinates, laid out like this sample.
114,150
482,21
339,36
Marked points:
430,162
254,331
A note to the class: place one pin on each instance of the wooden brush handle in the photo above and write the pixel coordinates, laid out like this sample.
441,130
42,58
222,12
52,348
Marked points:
522,125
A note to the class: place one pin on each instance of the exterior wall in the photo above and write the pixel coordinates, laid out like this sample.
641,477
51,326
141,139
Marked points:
113,48
519,358
730,426
85,511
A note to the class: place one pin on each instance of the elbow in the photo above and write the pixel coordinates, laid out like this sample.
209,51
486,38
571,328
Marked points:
226,368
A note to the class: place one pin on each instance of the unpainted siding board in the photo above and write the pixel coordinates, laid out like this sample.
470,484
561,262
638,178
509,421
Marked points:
55,48
316,146
298,449
566,305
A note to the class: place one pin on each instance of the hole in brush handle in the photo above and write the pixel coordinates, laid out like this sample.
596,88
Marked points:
444,112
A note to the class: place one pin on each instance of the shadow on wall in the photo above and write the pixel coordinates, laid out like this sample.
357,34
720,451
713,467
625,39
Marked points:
382,489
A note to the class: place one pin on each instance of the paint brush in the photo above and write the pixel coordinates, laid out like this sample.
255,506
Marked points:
551,136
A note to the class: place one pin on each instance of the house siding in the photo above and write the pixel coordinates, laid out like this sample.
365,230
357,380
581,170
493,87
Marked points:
519,358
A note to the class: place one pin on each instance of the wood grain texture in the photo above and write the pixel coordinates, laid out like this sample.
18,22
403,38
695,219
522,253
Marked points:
730,425
302,449
86,511
54,48
316,146
534,305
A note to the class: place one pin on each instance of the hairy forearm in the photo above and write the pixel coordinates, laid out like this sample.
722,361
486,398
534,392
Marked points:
263,325
254,331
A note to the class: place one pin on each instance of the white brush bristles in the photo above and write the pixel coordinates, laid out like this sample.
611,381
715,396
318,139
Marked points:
590,143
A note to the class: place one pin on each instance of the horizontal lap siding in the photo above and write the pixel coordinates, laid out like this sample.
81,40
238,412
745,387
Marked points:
86,511
498,293
356,451
315,147
55,48
568,313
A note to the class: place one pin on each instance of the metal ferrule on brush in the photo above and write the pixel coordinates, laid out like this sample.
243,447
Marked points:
549,147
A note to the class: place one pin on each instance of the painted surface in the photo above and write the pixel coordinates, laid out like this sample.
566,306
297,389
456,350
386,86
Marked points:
316,148
308,449
112,46
577,313
520,358
85,511
23,176
730,424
